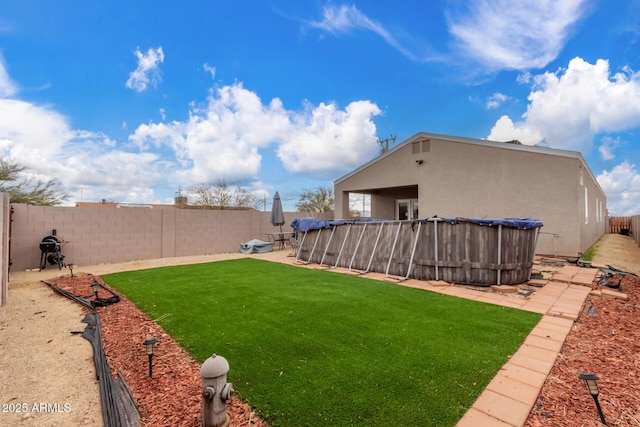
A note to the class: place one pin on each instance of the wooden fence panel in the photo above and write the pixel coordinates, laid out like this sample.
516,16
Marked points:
620,225
635,228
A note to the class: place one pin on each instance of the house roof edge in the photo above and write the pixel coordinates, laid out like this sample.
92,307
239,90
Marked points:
477,141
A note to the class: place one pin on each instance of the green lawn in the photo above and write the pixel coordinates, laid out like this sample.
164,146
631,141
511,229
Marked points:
318,348
591,252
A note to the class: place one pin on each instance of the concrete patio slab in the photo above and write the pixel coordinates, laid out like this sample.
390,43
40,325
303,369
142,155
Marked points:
580,279
506,409
475,418
554,334
514,389
523,360
513,303
546,343
546,321
524,375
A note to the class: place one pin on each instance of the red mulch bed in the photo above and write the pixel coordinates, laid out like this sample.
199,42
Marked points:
173,396
605,341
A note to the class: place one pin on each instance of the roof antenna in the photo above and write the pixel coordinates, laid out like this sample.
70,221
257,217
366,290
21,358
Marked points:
384,143
180,200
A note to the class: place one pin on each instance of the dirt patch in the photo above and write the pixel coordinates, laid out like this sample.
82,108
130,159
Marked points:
48,378
618,251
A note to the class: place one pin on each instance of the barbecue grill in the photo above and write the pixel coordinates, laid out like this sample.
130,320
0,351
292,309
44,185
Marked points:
51,252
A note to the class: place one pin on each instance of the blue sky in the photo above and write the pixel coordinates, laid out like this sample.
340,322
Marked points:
131,101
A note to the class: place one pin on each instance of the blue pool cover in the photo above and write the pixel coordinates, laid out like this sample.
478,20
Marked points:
306,224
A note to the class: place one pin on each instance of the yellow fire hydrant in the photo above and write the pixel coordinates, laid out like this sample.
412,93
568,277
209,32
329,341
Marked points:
215,391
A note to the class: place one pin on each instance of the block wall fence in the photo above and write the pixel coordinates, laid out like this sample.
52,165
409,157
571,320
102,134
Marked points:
5,209
112,235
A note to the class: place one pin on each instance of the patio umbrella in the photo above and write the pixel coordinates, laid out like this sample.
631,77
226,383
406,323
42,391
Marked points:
277,215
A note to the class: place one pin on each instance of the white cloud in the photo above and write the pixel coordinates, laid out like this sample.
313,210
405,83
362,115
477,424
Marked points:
491,34
506,130
31,134
567,108
148,71
343,19
211,70
7,87
115,169
496,100
42,140
524,78
327,139
223,139
607,146
622,186
506,34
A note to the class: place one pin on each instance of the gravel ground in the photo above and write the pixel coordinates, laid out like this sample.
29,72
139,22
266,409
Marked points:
48,375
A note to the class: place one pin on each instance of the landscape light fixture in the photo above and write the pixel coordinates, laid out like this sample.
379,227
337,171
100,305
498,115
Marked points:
590,382
150,347
70,265
94,287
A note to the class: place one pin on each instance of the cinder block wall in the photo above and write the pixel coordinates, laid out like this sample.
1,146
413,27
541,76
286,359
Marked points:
4,247
111,235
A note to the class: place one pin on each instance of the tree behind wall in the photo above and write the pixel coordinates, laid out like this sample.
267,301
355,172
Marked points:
24,188
318,200
220,195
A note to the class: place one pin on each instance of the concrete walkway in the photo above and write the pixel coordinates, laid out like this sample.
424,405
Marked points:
511,394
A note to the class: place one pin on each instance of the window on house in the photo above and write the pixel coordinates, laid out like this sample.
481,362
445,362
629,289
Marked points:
601,212
359,205
407,209
586,205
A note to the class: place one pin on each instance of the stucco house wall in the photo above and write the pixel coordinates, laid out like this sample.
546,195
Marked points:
472,178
